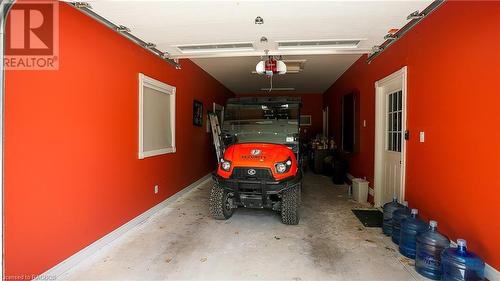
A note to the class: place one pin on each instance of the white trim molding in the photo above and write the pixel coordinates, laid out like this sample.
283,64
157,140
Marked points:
86,252
379,134
491,273
145,81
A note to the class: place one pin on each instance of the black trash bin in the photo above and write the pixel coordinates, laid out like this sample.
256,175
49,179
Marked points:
339,171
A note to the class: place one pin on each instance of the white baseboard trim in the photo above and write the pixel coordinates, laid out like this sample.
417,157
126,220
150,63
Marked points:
490,272
73,260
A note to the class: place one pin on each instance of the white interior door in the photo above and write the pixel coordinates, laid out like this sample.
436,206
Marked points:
390,143
393,140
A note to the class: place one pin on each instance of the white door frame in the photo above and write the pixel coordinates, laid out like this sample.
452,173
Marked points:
379,133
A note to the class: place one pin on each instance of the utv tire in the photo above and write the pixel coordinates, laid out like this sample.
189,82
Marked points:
219,206
290,205
300,193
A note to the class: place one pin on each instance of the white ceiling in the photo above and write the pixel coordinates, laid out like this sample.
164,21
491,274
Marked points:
171,23
320,71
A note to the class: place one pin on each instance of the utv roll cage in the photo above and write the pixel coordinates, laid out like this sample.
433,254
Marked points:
284,109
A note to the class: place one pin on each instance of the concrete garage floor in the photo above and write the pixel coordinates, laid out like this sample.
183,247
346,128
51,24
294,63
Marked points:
182,242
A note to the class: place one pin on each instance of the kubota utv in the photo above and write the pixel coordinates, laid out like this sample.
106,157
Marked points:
260,165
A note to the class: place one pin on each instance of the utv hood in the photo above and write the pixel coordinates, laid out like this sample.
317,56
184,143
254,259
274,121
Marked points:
257,154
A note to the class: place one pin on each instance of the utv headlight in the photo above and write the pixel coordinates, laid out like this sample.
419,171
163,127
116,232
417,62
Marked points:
225,165
280,168
283,167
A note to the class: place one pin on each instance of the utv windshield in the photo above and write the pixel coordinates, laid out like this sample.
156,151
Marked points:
272,122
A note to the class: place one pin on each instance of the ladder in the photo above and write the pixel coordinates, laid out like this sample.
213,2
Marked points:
216,134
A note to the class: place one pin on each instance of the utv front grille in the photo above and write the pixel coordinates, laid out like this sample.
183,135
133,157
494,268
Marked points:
260,174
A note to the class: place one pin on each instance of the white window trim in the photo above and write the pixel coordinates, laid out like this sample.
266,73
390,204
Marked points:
168,90
390,130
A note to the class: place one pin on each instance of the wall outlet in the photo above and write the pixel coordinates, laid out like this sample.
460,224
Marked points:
157,189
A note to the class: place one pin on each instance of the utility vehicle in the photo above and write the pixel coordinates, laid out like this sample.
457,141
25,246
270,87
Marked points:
260,166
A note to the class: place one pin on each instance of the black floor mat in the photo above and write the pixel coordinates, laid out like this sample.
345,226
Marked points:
369,218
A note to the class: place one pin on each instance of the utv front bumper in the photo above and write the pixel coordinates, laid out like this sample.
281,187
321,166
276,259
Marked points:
257,193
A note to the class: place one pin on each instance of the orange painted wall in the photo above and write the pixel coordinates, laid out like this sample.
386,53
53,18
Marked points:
312,104
71,142
454,96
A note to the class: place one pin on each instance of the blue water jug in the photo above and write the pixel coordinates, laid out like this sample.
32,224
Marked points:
430,244
397,217
460,265
410,228
389,209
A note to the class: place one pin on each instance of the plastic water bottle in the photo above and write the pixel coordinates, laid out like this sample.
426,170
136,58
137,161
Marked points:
460,265
397,217
410,228
430,244
389,208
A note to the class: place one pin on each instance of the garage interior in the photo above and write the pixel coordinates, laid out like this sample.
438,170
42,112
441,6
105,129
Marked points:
84,199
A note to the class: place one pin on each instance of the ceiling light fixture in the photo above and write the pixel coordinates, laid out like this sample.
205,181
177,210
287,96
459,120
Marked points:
259,20
270,66
292,66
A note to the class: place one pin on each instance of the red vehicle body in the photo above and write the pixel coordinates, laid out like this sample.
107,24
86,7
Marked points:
241,155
